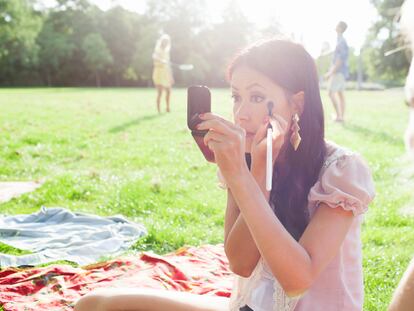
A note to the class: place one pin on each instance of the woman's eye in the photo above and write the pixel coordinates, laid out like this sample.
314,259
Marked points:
235,98
257,98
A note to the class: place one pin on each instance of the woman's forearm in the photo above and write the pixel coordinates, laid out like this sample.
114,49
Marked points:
241,250
239,246
289,261
232,213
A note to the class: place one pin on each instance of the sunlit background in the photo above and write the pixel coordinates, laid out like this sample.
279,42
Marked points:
110,42
310,22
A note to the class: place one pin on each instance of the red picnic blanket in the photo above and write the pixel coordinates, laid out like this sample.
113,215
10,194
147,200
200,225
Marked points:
199,270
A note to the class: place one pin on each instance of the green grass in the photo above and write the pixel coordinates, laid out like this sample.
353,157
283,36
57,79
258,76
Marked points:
108,152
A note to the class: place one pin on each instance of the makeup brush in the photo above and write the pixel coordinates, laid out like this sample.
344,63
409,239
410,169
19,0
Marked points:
269,148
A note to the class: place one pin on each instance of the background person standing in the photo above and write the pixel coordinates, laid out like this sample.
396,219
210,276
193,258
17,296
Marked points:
162,73
338,73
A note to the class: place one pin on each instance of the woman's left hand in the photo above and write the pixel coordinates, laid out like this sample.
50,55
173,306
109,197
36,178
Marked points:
227,141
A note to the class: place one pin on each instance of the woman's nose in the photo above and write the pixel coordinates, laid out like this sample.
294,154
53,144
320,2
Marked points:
242,114
242,118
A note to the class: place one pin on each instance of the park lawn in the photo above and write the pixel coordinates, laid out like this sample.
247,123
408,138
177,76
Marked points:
107,151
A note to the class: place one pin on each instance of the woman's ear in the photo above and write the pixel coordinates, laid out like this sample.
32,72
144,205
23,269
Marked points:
298,101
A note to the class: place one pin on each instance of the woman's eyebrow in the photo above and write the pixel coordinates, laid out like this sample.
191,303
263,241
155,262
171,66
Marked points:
249,87
253,85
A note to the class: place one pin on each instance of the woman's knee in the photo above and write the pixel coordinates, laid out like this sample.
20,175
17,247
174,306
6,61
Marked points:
94,301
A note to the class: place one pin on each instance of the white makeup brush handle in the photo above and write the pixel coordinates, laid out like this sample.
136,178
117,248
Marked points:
269,168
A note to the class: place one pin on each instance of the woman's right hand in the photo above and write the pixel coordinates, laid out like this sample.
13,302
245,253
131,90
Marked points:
227,141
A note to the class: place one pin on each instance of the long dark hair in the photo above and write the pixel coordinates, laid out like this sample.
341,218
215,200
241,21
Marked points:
291,67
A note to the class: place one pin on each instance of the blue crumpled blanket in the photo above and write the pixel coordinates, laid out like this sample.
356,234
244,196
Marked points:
59,234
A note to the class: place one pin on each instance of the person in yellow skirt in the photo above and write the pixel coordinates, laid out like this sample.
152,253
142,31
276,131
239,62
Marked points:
162,74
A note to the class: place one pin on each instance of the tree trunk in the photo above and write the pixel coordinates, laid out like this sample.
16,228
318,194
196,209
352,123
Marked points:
97,79
49,80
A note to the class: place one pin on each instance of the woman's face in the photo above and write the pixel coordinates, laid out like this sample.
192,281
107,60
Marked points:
251,91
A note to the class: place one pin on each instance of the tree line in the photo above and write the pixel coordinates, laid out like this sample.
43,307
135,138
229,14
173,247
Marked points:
75,43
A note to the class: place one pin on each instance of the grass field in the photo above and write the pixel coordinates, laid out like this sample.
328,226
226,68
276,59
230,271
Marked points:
108,152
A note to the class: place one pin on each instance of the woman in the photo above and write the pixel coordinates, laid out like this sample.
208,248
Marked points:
162,74
298,246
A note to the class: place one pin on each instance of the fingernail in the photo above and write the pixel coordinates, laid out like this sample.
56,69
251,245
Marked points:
198,126
201,115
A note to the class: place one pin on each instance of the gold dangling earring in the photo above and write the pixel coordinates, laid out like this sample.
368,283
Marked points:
295,138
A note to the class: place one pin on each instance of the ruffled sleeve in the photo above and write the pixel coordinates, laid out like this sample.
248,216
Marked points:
345,181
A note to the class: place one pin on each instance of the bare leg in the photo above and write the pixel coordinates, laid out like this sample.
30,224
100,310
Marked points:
167,98
335,104
341,105
159,93
409,132
403,299
149,300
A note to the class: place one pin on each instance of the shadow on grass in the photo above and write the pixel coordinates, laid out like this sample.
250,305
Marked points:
374,135
135,122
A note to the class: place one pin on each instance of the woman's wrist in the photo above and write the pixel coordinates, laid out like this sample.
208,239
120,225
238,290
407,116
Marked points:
259,174
242,181
235,179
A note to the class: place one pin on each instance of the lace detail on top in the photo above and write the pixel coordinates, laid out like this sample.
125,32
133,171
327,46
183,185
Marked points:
254,290
281,301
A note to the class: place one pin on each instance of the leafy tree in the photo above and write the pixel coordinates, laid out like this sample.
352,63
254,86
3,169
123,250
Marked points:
147,35
19,26
121,38
55,45
76,43
384,36
97,55
223,40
